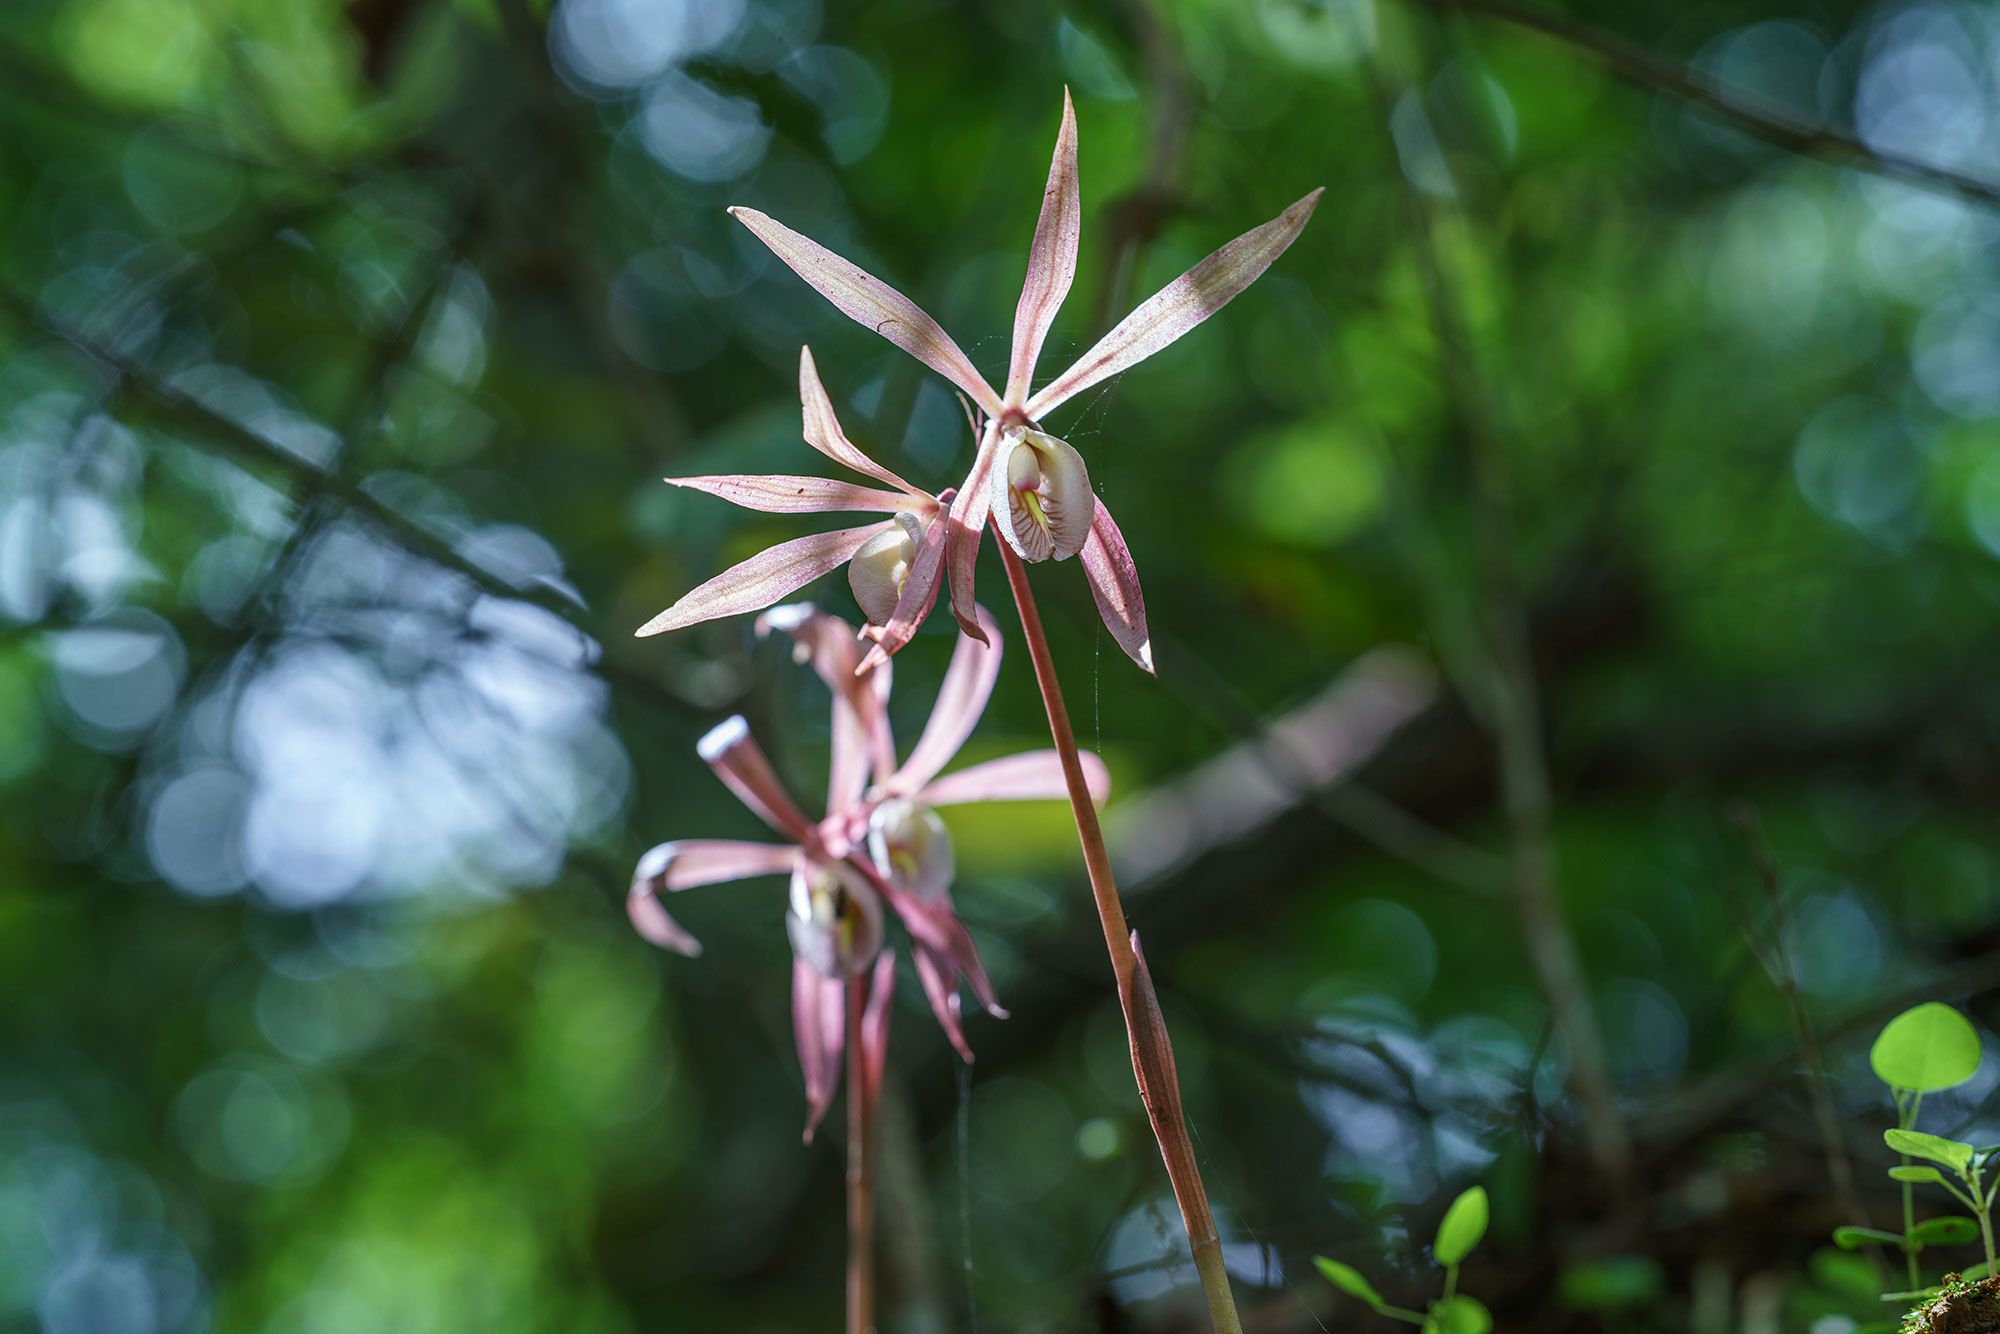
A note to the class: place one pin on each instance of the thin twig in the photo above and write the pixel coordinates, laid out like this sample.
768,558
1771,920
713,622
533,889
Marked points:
1746,109
1785,977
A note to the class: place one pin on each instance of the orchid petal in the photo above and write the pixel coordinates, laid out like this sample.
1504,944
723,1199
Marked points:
785,493
1179,306
966,519
961,699
860,727
1041,496
940,983
875,1022
740,763
819,1027
761,580
1034,775
822,429
919,595
1051,259
685,864
1114,585
869,301
937,926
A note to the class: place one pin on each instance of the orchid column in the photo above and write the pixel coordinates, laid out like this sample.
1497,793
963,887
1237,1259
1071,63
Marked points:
1036,490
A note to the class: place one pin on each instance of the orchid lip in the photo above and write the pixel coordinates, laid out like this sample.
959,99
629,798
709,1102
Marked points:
1040,494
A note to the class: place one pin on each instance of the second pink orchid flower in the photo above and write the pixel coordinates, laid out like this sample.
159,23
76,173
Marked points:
880,842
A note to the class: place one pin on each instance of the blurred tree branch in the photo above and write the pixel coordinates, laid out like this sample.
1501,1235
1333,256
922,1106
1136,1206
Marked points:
1739,106
1506,693
173,407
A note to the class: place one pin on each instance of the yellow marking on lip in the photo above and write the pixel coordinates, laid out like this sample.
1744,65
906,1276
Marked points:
1033,499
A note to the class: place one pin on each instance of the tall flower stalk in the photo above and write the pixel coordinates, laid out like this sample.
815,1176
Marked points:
1034,488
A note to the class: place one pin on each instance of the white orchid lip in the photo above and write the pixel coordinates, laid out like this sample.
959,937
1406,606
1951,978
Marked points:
911,847
882,566
835,920
1041,496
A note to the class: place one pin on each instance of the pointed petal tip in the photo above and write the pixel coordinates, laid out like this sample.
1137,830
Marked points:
998,1012
1145,658
725,735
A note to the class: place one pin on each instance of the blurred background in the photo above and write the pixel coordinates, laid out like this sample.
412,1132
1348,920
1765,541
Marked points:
1573,570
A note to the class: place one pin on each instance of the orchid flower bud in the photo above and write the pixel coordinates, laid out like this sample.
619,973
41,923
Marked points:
911,847
1042,501
881,567
835,920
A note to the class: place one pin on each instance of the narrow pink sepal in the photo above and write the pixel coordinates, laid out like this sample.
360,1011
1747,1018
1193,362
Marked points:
940,983
741,764
860,725
872,303
785,493
686,863
819,1027
1034,775
919,595
1179,306
961,699
875,1022
935,924
1051,259
967,519
772,573
1114,586
823,432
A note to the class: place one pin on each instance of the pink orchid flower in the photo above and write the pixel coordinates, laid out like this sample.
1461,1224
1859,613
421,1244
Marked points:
1032,485
881,557
879,842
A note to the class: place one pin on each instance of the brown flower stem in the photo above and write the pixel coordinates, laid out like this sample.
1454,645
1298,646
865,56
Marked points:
1152,1054
860,1171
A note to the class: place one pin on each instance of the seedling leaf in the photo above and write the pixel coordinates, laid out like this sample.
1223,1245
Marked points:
1936,1148
1349,1280
1926,1048
1462,1227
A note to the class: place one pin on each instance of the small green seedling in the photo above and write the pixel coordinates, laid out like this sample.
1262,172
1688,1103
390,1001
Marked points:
1453,1312
1926,1049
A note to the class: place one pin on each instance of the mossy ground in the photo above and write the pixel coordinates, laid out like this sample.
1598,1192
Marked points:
1962,1308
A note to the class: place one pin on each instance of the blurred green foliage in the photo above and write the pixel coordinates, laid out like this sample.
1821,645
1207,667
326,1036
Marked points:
343,347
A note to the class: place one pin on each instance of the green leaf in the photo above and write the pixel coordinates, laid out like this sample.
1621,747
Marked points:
1916,1144
1462,1227
1854,1238
1926,1048
1917,1174
1462,1315
1949,1231
1977,1272
1612,1283
1349,1280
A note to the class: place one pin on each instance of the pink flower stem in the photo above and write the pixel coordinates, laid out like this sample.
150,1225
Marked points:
860,1171
1152,1054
